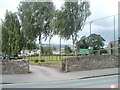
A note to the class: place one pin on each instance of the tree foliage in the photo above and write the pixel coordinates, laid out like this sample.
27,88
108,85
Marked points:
46,50
95,41
11,35
39,19
54,48
83,43
67,49
71,19
36,20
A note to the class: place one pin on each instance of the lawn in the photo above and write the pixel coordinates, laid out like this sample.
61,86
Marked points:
47,58
50,61
53,64
46,62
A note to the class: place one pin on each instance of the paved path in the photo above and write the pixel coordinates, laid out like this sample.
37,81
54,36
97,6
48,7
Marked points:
45,74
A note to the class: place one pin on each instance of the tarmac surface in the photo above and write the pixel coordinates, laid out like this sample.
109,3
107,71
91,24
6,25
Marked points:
41,74
96,82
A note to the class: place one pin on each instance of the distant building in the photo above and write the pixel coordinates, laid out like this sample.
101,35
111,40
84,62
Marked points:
113,48
29,52
55,52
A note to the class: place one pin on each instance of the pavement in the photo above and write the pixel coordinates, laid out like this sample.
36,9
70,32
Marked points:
41,74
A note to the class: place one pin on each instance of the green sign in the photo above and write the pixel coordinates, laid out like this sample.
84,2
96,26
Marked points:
84,51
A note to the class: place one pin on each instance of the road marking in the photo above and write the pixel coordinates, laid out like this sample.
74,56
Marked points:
109,86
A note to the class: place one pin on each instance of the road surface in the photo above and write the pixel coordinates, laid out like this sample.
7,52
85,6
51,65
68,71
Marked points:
45,77
44,74
96,82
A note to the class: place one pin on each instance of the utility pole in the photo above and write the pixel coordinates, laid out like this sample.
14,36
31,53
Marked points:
60,49
90,34
91,27
114,34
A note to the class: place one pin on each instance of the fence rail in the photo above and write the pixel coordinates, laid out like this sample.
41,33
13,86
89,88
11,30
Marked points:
106,51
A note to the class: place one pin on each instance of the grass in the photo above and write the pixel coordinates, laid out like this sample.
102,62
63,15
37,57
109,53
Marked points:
48,58
53,64
50,61
46,62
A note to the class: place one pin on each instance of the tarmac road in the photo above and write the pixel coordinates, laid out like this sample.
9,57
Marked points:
96,82
43,74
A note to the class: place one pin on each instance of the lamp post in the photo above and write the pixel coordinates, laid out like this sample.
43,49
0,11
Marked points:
90,34
104,18
90,26
60,48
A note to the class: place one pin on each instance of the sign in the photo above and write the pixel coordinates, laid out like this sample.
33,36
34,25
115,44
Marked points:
84,51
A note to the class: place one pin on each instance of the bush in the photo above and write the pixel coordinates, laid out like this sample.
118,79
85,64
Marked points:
18,57
42,60
36,61
36,54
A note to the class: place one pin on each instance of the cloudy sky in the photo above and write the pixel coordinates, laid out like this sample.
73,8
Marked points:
99,9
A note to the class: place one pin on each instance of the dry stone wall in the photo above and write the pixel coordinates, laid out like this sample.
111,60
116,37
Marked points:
82,63
15,66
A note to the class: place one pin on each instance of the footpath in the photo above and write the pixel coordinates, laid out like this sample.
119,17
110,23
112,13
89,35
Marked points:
41,74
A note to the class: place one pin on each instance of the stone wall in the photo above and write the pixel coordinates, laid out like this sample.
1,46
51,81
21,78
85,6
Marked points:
82,63
15,66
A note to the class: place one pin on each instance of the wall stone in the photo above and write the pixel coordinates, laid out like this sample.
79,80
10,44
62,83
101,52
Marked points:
82,63
15,66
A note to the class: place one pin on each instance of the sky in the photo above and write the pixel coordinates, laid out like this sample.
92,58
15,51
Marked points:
99,9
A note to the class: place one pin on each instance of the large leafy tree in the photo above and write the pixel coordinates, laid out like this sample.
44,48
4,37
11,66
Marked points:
96,41
70,20
11,35
36,20
67,49
83,43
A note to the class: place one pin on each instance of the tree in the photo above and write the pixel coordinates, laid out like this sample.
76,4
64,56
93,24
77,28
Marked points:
83,43
46,50
96,41
31,46
36,20
11,35
54,48
70,20
67,49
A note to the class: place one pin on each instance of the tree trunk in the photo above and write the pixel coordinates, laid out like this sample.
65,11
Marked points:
40,46
74,45
49,48
60,49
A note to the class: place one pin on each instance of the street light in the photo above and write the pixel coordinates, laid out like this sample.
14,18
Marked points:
114,30
90,26
101,19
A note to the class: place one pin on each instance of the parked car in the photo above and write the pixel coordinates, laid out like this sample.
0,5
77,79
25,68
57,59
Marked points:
1,57
10,57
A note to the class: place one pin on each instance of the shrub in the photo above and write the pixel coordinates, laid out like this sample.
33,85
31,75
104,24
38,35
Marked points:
19,58
36,60
42,60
